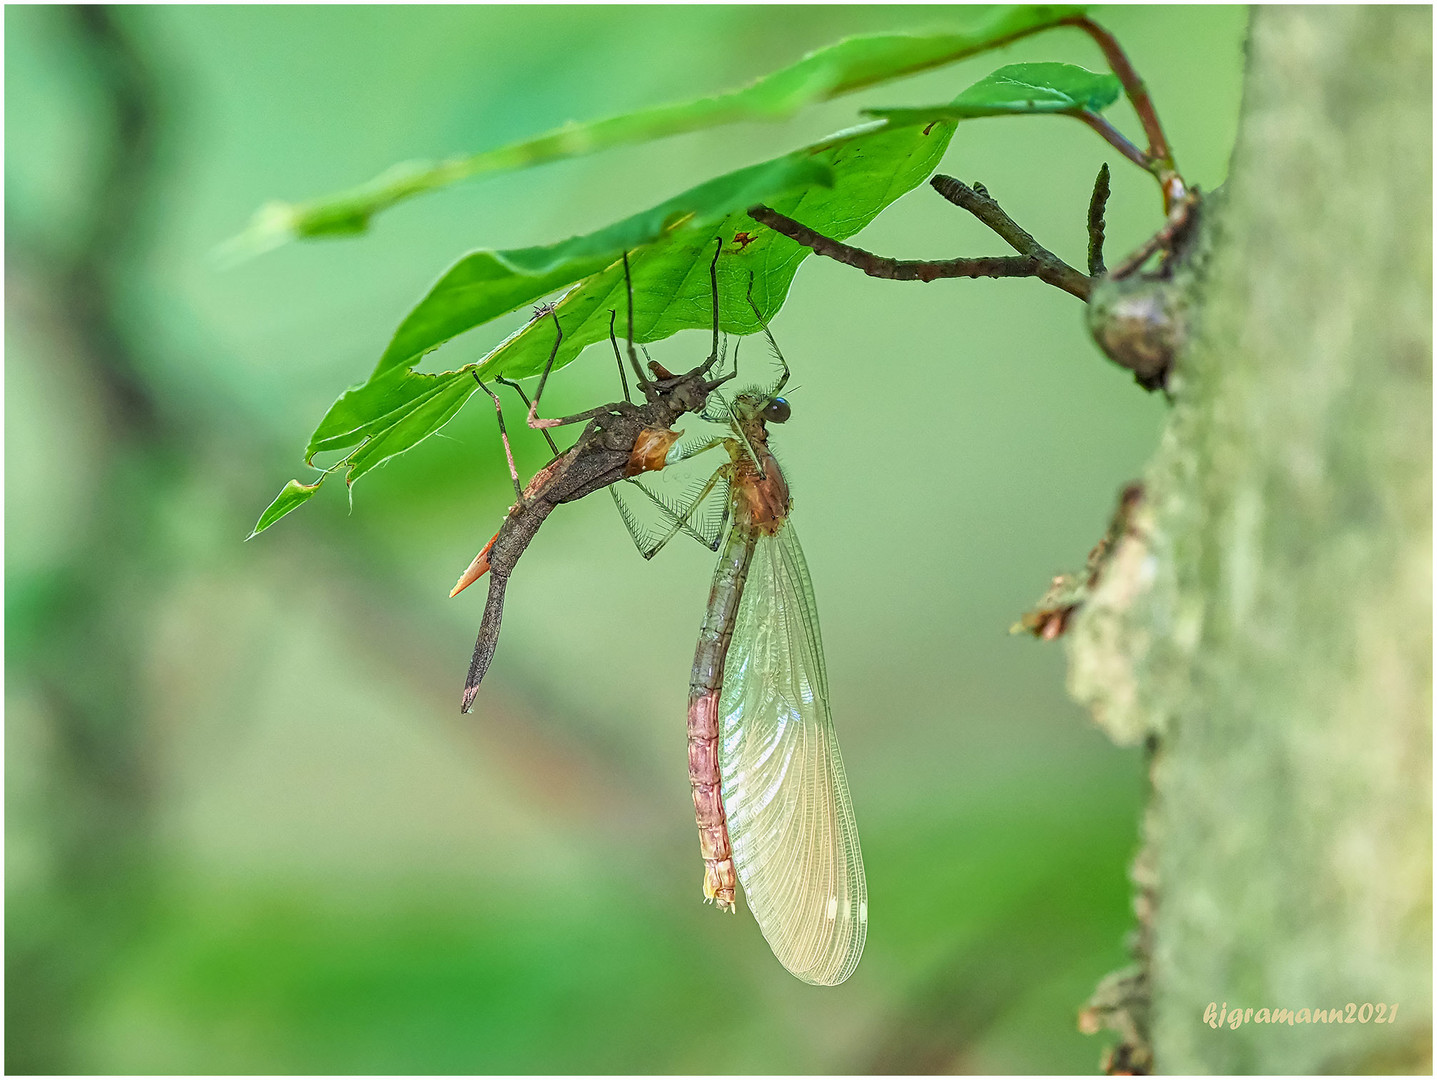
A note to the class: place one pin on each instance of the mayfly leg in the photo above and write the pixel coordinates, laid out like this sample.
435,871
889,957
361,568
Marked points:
644,384
619,360
783,379
528,405
713,285
504,437
772,392
681,519
716,409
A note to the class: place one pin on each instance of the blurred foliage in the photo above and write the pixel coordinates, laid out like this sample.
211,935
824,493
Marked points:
838,69
246,828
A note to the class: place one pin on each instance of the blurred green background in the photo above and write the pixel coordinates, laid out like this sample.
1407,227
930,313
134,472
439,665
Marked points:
247,828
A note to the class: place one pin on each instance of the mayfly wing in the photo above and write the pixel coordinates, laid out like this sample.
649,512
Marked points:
790,817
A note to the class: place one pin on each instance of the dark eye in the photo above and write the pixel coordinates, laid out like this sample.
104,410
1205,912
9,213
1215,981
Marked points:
777,411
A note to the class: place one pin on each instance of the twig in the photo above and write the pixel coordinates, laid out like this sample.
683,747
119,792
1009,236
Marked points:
1136,89
1165,237
985,208
1033,260
879,266
1096,226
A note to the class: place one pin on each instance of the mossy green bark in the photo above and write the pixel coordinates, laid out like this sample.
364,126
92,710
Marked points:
1268,622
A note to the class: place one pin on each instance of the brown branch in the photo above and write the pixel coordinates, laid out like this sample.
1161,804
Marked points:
1033,260
880,266
1165,238
1096,227
985,208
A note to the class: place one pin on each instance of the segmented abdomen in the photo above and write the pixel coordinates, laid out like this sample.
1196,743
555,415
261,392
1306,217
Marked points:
720,880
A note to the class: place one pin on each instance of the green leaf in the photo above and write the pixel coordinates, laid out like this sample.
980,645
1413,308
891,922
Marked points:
397,408
485,284
407,427
871,167
849,65
294,495
837,187
1019,89
865,169
391,413
365,411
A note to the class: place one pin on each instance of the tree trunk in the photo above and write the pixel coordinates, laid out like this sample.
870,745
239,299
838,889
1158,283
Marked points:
1264,625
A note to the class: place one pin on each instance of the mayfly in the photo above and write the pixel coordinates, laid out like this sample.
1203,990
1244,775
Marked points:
770,795
620,440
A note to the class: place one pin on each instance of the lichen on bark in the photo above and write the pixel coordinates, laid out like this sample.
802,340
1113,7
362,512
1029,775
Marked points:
1271,634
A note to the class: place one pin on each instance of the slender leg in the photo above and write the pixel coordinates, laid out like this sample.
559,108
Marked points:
525,399
716,410
614,341
542,424
681,519
643,535
503,435
713,285
644,383
692,448
588,414
539,392
783,379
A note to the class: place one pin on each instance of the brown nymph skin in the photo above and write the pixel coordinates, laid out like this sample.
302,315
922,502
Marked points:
650,452
604,454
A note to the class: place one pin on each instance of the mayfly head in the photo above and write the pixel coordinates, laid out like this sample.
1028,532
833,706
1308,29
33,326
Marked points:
752,405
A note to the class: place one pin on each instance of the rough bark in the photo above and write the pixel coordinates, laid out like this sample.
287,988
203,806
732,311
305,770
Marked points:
1265,624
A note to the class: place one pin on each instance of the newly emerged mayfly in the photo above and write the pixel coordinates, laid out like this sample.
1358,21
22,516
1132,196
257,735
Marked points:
770,794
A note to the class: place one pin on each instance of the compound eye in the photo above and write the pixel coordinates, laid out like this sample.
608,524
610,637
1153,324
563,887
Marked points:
777,411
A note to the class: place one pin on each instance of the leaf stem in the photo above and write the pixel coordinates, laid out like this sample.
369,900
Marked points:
1118,140
1136,89
1159,156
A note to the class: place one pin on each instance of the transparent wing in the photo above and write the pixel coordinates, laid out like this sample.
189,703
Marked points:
790,817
